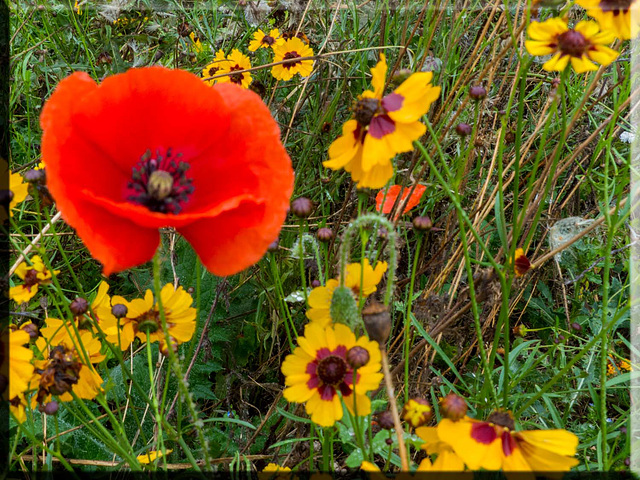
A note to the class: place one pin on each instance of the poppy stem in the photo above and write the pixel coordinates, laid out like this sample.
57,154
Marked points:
394,409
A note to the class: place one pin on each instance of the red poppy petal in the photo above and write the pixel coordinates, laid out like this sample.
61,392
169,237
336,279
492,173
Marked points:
234,240
415,197
389,200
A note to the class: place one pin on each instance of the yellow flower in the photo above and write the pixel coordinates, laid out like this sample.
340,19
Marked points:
416,412
76,7
152,456
33,275
61,332
236,60
14,188
495,445
143,315
262,40
446,461
369,467
618,16
196,43
581,46
290,49
273,467
521,263
382,127
66,369
358,277
20,366
317,373
214,68
17,406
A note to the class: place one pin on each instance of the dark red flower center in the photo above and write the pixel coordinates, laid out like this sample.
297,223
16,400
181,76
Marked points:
268,40
365,109
236,77
332,370
572,43
30,278
289,56
160,183
213,70
615,6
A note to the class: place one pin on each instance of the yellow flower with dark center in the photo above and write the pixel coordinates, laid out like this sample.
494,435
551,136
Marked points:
215,67
61,332
358,277
235,61
17,406
382,127
581,46
446,461
143,315
152,456
20,366
317,373
66,369
262,40
521,263
496,445
14,191
416,412
290,50
618,16
196,44
33,275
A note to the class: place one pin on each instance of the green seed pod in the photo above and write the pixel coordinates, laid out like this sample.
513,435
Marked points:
343,307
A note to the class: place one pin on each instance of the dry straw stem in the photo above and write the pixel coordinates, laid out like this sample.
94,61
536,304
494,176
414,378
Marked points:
393,406
33,243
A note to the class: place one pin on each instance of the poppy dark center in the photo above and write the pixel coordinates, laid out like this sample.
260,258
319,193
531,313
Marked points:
615,6
572,43
332,370
365,110
160,183
288,56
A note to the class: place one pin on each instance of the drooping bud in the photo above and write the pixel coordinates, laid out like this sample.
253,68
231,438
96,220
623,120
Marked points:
357,356
377,321
519,331
422,223
464,129
79,306
119,310
576,326
324,234
385,420
302,207
416,412
453,407
315,283
343,307
476,92
51,408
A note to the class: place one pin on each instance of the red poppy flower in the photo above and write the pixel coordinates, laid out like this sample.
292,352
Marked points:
154,148
392,194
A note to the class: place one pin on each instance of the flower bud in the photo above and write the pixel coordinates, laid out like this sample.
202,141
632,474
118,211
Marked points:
422,223
519,331
357,356
51,408
453,407
343,307
477,92
464,129
416,412
79,306
324,234
119,310
388,441
385,420
315,283
576,326
302,207
35,176
273,246
31,329
377,321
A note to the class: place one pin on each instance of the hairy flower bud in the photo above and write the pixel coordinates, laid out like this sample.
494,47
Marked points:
343,307
453,407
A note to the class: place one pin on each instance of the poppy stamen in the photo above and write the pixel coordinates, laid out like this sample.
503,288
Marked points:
160,183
